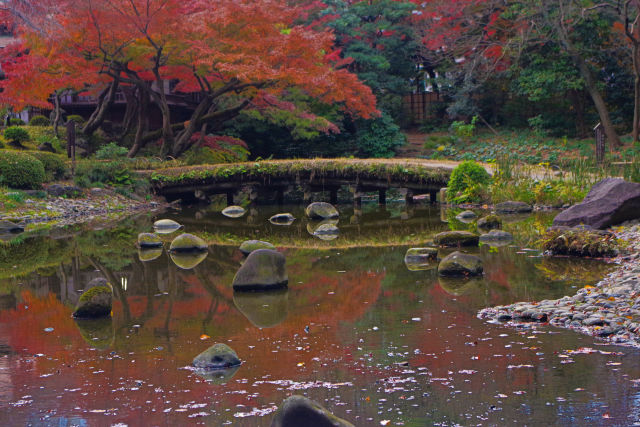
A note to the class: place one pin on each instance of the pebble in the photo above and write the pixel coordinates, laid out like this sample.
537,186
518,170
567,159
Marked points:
610,310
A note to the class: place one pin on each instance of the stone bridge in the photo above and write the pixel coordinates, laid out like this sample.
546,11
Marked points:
270,178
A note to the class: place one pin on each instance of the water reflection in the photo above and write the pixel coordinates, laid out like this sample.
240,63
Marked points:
383,342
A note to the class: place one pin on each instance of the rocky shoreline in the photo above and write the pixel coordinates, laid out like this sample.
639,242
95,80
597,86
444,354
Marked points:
97,203
609,310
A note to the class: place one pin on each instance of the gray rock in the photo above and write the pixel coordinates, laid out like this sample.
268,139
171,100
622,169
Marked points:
264,269
70,191
460,264
94,303
417,259
263,309
146,255
188,243
466,216
609,202
327,231
233,211
297,411
188,260
149,240
456,238
249,246
321,210
511,207
282,219
218,356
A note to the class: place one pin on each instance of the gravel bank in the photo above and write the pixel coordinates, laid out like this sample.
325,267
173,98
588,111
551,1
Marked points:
94,204
609,310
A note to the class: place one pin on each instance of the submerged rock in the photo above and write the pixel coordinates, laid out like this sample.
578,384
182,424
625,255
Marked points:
166,226
263,309
282,219
609,202
233,211
489,222
218,356
146,255
497,238
188,243
264,269
460,264
458,286
466,216
321,210
188,260
417,259
7,226
149,240
456,238
94,303
249,246
511,207
298,411
217,376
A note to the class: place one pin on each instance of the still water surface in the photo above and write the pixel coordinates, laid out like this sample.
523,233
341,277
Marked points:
385,345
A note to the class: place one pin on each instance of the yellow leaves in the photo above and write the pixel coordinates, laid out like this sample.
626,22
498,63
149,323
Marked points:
204,337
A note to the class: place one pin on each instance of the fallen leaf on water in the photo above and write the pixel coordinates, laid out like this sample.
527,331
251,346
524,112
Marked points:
384,422
204,337
606,415
300,363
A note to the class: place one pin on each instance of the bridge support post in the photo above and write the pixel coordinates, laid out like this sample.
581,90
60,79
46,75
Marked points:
408,195
382,197
357,197
333,196
433,196
280,196
306,197
230,200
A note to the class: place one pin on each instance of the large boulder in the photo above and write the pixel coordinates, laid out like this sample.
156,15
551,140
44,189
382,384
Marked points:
489,222
298,411
218,356
609,202
264,269
149,240
249,246
511,207
321,210
282,219
263,309
233,211
94,303
456,238
460,264
166,226
188,243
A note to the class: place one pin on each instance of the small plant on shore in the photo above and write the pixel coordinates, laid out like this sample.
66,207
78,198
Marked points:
20,170
579,242
16,135
91,173
468,183
111,151
55,167
16,122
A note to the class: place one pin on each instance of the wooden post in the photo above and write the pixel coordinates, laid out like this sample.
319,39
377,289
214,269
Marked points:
433,196
71,144
382,197
601,141
280,196
230,198
333,196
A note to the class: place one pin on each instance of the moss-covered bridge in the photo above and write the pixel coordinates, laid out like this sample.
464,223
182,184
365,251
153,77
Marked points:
269,177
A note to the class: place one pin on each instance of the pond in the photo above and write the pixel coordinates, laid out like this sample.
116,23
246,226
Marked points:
372,340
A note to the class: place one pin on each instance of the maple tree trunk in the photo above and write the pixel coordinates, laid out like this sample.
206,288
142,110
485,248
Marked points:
636,92
104,105
142,124
57,114
130,112
183,141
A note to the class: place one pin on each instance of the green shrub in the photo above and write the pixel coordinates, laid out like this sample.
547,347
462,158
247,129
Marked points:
467,183
75,118
111,151
92,173
14,121
39,120
16,135
379,137
20,170
55,166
